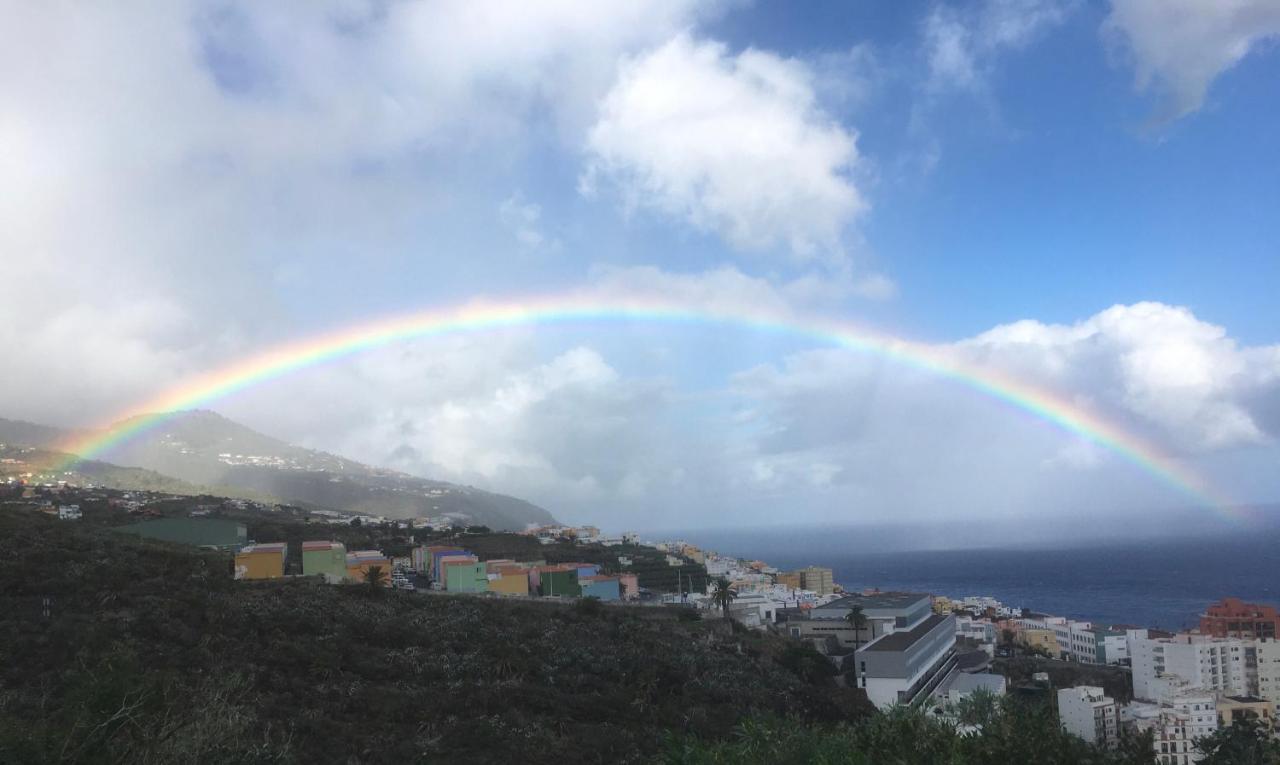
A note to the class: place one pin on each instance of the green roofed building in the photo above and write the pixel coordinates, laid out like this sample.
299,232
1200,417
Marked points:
201,532
327,559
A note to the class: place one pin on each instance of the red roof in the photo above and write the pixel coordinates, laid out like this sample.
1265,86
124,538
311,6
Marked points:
318,545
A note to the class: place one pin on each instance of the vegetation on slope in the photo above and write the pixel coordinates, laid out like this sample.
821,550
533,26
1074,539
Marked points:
1011,731
150,653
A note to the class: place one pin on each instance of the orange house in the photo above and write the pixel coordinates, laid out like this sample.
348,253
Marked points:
261,561
360,561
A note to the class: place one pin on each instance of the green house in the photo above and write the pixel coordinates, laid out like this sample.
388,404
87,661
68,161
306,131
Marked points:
563,583
466,577
202,532
327,559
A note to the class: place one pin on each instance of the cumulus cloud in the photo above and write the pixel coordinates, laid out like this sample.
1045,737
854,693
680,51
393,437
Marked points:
733,144
962,47
1156,365
1179,47
159,160
856,431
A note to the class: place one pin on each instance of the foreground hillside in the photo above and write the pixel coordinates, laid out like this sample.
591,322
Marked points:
151,653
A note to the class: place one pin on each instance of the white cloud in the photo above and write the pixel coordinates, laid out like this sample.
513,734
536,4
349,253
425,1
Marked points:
1179,47
735,145
961,47
1156,365
160,159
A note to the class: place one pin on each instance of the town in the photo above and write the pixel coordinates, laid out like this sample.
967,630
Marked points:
927,650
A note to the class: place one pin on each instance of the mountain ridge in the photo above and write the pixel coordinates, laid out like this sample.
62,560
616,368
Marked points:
204,448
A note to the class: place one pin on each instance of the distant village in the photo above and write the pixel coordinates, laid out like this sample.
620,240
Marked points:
922,649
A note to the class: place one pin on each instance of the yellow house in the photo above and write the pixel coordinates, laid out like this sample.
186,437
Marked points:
1034,638
261,561
941,604
510,581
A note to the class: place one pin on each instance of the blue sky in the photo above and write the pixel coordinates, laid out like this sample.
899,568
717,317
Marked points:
1080,195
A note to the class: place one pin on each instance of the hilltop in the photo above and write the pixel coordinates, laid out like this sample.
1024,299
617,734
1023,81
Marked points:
205,449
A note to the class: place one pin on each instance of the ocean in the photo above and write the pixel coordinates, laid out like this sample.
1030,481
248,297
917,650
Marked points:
1163,583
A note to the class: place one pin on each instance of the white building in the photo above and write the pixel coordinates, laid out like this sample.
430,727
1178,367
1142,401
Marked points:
1161,665
912,649
69,512
1087,712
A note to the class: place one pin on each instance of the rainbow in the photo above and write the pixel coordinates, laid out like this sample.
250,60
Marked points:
474,317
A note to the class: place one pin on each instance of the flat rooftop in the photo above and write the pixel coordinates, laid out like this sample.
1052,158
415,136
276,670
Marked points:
885,600
901,641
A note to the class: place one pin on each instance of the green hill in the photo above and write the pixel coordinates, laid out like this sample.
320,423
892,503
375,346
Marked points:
151,653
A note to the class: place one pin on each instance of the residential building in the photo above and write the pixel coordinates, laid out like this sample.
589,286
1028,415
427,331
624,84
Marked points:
264,561
1195,661
1233,617
817,579
1171,741
69,512
556,580
441,560
327,559
360,561
602,587
630,584
203,532
512,580
789,579
462,575
1086,711
1043,639
1233,708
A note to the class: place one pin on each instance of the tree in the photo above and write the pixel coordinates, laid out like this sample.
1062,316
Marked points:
375,577
858,620
1244,742
723,595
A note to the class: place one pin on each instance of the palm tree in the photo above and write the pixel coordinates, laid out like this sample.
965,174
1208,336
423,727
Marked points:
858,620
375,577
723,595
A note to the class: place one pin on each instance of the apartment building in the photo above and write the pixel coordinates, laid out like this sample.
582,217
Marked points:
1232,617
1086,711
1196,661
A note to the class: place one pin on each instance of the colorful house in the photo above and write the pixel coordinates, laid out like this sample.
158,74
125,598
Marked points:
630,584
435,552
327,559
261,561
419,558
440,561
509,580
465,576
602,587
559,580
360,561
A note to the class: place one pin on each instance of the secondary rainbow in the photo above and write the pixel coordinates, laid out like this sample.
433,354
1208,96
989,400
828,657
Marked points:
479,316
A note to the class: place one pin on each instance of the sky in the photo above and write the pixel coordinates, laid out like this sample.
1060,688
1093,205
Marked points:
1080,196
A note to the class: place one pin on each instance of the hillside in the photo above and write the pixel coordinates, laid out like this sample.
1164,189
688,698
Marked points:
17,461
151,653
205,449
